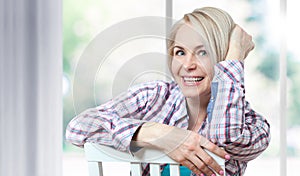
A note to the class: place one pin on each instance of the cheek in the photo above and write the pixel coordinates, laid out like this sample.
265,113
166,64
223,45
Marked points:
210,73
207,67
175,66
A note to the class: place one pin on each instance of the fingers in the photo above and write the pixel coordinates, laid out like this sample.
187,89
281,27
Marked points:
210,163
191,166
246,40
200,161
252,45
202,164
240,44
200,168
191,154
213,148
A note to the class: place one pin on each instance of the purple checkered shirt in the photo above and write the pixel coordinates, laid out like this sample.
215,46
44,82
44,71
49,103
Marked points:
230,123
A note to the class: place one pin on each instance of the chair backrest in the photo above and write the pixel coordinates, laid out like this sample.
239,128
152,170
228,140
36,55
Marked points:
97,154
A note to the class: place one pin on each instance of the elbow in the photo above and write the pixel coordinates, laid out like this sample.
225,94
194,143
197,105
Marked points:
260,146
74,136
74,140
247,149
262,141
265,139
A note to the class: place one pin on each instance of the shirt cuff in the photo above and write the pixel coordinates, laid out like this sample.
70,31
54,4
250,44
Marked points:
229,70
132,148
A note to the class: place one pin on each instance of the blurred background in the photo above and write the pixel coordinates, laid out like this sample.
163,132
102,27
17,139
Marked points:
84,20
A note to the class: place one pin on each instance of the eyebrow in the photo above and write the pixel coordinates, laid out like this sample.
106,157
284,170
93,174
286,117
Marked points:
180,47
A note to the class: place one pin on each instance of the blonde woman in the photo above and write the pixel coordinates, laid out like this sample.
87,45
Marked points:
203,108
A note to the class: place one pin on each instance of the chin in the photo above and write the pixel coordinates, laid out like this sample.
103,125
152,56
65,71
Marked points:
194,92
190,94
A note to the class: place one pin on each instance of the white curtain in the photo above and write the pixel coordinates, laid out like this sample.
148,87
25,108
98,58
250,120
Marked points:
30,87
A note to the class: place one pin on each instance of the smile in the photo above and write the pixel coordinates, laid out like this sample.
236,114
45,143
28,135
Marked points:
192,79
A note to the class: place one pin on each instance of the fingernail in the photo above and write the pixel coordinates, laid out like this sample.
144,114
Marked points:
227,157
201,174
221,172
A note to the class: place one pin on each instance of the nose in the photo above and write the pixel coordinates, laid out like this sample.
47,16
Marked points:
189,62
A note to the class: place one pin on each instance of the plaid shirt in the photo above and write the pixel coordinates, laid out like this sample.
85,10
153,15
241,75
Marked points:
230,122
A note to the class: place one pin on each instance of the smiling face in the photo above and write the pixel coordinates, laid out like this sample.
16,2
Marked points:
191,64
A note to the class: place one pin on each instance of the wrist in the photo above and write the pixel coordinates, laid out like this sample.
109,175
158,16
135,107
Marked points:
151,133
233,55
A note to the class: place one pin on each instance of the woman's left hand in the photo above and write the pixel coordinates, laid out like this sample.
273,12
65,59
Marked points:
240,44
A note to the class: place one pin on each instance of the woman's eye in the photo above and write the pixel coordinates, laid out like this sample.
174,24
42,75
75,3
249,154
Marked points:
202,53
179,53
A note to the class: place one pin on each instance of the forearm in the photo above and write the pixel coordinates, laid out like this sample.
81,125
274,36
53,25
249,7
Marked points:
159,136
102,128
114,123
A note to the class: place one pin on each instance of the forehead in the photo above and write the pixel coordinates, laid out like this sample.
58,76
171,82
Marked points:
188,37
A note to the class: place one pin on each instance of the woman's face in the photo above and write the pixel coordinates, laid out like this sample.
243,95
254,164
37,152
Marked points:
191,64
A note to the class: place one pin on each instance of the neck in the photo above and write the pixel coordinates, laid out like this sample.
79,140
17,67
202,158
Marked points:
196,108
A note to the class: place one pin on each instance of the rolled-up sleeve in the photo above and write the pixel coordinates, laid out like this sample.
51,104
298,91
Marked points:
232,123
115,122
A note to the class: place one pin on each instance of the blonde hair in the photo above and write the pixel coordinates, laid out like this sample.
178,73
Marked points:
214,27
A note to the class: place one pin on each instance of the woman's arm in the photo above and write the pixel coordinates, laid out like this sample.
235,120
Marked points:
119,123
115,122
232,123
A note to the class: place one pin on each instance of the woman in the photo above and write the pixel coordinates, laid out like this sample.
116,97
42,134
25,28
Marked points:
203,108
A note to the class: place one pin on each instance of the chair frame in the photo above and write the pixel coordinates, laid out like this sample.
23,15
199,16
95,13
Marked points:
97,154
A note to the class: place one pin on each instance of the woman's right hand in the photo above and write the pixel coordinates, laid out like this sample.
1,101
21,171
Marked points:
184,146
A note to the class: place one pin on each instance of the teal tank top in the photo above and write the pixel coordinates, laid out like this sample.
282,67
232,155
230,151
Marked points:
184,171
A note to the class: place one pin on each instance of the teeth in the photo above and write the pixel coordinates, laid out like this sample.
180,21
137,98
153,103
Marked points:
193,79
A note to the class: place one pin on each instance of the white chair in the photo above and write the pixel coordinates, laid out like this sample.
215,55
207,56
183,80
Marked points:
96,154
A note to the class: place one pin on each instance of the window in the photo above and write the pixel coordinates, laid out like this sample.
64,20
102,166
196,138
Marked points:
85,20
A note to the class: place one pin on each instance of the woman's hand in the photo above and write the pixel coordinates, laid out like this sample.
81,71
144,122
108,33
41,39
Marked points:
184,146
240,44
187,148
